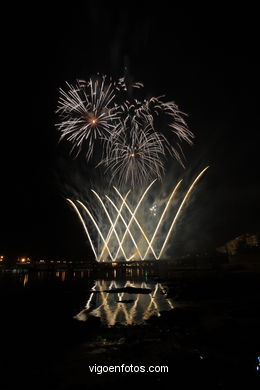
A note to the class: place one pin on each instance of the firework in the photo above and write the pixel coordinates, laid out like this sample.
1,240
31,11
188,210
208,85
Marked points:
131,226
167,119
135,135
87,112
132,137
134,155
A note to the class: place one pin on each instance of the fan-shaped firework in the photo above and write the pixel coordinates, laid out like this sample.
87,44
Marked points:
87,112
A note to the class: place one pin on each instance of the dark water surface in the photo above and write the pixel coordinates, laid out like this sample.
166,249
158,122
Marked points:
203,325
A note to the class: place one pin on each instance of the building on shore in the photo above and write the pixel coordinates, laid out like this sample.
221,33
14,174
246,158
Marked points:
241,244
243,249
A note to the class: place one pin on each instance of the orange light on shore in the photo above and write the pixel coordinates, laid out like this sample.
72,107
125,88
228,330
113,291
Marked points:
24,260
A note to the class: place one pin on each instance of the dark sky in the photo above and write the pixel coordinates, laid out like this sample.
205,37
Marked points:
203,58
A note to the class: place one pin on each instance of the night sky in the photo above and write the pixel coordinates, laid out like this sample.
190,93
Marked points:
205,59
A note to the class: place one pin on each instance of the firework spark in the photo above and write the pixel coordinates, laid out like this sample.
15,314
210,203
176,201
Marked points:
87,112
135,250
134,155
167,119
135,135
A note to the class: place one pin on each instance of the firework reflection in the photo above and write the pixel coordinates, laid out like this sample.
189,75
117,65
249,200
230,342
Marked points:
126,303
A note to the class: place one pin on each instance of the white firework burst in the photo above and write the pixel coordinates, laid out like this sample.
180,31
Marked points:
134,135
167,119
88,112
134,155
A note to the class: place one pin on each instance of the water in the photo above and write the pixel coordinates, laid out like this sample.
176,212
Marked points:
203,325
111,301
129,299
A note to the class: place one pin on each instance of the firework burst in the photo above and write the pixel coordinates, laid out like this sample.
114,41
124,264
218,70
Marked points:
134,155
87,112
135,135
168,120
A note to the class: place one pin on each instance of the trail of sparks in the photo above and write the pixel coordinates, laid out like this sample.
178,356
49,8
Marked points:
149,242
124,222
179,210
161,218
135,210
97,227
138,224
113,225
84,226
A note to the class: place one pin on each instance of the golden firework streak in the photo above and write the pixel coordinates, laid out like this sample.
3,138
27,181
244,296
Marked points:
138,224
124,222
112,229
97,227
161,218
111,223
179,209
113,226
84,226
133,215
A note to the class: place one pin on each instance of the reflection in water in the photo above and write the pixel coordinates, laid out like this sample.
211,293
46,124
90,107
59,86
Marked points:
124,307
25,279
